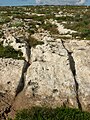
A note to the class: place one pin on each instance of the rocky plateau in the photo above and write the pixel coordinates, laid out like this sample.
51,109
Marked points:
55,73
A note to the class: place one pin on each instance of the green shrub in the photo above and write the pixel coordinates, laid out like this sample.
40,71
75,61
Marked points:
17,24
39,113
50,27
9,52
1,34
4,19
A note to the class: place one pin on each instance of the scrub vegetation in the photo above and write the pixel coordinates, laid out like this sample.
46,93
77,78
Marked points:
73,17
42,113
9,52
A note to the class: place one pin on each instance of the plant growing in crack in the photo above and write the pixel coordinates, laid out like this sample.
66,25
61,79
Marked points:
32,42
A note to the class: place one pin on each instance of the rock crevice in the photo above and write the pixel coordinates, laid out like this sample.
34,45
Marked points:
73,70
20,86
54,75
26,65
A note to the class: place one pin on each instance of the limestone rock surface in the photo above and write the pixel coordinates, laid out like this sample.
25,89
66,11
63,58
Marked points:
49,76
10,74
59,74
81,55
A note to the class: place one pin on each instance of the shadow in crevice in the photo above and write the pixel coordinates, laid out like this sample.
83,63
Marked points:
72,67
21,84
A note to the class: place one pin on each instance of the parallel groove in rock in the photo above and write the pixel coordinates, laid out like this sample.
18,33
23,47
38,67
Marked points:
73,70
21,84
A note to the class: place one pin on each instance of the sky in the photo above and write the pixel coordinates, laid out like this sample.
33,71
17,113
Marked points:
39,2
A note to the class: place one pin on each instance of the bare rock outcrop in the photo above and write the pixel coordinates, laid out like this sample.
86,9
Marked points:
57,74
49,77
81,54
10,74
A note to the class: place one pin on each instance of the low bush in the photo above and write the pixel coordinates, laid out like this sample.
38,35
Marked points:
39,113
52,28
9,52
4,20
1,34
17,24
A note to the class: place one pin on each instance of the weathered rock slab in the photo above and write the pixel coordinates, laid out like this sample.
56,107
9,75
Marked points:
81,55
49,75
10,73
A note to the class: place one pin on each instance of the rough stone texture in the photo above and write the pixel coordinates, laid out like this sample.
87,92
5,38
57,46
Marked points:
10,73
81,55
49,76
50,79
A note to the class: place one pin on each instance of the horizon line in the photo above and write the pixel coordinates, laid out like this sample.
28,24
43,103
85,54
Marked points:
41,5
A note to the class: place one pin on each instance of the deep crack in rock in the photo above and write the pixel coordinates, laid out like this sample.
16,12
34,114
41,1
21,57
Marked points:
72,67
20,87
21,84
